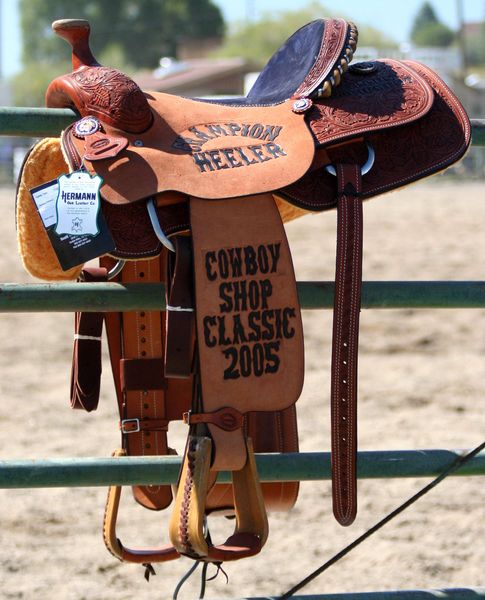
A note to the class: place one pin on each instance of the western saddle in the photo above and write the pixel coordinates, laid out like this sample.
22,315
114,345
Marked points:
193,193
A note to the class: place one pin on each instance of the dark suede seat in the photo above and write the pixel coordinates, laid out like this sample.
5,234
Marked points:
302,62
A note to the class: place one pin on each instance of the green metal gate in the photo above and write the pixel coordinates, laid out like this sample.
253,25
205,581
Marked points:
70,297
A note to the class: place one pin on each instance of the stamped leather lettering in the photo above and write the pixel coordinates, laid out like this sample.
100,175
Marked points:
211,159
203,161
248,330
228,158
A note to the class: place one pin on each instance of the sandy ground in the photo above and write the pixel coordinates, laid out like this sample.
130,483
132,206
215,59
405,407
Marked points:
421,386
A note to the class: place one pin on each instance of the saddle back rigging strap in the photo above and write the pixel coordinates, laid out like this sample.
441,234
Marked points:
194,193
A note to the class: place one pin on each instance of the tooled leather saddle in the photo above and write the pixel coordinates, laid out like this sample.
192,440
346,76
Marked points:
194,193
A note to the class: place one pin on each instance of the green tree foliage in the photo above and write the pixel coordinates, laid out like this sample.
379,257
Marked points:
29,86
428,30
126,34
144,30
257,41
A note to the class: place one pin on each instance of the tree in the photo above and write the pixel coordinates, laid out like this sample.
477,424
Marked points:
257,41
428,30
144,30
126,34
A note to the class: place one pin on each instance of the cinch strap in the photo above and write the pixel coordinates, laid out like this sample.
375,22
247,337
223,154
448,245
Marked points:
348,281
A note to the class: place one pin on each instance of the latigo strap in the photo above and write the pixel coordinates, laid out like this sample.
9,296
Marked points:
86,361
180,319
348,279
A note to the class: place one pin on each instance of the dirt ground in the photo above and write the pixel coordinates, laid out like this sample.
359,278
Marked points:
421,385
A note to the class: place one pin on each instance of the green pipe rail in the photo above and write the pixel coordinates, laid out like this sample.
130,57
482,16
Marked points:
42,122
305,466
93,297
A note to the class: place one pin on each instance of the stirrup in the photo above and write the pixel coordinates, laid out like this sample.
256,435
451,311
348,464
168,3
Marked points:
187,531
114,545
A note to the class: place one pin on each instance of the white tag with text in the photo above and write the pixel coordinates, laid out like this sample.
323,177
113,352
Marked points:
78,204
45,198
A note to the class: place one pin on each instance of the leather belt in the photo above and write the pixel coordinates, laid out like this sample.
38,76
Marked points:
180,320
86,359
348,280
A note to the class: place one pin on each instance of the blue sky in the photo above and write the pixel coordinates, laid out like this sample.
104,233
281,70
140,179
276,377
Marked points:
396,21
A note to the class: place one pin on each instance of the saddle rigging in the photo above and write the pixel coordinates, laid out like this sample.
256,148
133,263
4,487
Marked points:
194,194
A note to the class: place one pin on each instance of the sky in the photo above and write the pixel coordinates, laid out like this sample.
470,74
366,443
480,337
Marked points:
396,21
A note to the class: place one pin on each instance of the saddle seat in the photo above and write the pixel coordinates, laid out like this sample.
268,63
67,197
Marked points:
310,63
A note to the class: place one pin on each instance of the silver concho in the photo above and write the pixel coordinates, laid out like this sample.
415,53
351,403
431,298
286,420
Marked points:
86,126
301,105
363,68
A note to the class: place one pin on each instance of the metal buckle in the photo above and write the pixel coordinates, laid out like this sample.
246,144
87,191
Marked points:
135,421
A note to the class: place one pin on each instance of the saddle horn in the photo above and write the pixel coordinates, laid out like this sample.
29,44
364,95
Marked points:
94,90
76,33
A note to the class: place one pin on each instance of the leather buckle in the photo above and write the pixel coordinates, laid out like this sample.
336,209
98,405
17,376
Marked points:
228,418
130,426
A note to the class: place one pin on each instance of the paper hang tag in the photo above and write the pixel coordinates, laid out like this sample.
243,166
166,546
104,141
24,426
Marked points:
78,204
71,250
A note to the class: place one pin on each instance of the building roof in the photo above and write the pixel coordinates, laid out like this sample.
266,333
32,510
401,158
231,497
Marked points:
177,77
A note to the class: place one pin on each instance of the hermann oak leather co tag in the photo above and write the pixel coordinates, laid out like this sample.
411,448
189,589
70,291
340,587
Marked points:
78,204
249,326
74,238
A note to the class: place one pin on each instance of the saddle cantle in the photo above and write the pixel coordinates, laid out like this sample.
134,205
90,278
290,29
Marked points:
217,178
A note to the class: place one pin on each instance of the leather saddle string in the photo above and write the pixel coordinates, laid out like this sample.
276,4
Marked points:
348,280
86,358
